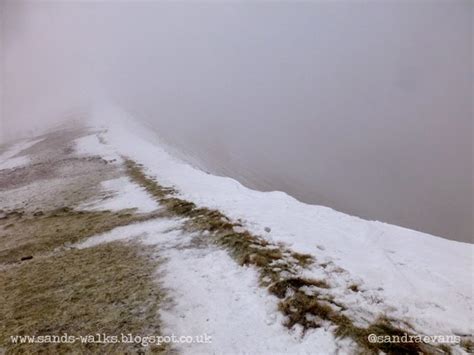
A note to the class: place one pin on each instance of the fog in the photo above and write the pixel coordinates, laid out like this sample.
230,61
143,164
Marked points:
365,107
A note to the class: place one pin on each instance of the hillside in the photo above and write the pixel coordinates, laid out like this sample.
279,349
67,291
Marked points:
105,231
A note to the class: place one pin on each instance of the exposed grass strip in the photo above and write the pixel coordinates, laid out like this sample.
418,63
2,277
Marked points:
31,234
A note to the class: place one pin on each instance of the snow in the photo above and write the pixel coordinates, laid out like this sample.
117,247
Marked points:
90,145
14,162
406,274
10,160
124,194
132,232
211,294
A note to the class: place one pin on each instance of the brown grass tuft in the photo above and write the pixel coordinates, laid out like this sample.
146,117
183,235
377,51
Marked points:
280,288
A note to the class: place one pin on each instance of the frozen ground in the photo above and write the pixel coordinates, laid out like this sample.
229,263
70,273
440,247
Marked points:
416,278
424,279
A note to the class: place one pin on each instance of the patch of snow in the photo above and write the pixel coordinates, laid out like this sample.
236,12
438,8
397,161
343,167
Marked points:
9,160
91,145
133,231
125,194
14,162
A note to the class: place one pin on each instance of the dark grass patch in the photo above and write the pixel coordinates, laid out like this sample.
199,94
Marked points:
279,268
468,345
445,349
354,288
304,310
31,234
107,289
380,328
281,288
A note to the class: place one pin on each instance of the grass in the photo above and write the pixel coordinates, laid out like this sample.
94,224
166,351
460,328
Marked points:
281,288
304,310
468,345
51,289
300,298
108,289
32,234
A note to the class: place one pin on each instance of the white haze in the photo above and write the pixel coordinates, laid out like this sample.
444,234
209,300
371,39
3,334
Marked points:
365,107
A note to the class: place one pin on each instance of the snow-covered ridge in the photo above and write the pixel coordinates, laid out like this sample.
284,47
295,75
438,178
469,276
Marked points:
423,279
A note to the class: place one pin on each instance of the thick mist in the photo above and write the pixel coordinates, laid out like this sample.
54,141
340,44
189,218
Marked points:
365,107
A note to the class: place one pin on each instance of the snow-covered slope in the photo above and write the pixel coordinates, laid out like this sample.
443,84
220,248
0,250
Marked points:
11,158
424,280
